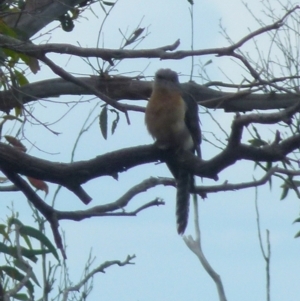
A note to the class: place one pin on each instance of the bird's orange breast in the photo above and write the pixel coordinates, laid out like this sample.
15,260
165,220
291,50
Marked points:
165,115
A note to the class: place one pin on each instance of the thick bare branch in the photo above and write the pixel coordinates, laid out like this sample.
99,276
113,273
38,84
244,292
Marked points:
119,88
73,175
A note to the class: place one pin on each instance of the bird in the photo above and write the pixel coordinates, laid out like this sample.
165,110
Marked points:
173,122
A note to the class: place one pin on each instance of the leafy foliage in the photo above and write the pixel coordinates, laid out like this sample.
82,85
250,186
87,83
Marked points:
17,271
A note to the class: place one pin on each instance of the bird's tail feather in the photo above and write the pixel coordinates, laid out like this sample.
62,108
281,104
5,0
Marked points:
184,184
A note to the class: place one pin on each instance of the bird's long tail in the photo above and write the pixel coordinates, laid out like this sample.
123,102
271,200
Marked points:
184,184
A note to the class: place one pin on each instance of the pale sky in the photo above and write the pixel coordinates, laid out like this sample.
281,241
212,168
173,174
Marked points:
165,269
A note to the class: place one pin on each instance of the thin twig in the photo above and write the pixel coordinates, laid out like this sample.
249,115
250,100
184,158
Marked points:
195,246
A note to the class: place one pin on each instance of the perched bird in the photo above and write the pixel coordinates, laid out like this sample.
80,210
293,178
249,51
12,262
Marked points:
174,124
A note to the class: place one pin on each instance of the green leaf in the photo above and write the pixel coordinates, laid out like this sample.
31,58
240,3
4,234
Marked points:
297,220
20,265
16,275
32,252
209,61
14,56
12,251
6,30
14,221
297,234
27,240
268,167
37,234
22,297
3,231
257,142
103,8
284,194
31,62
11,117
115,122
291,183
296,183
103,122
18,111
256,132
21,79
25,58
108,3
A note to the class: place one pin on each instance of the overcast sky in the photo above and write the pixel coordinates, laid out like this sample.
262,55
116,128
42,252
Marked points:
164,267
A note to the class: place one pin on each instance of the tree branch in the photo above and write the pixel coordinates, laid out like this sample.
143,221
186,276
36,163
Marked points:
73,175
100,269
120,204
119,88
195,246
165,52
